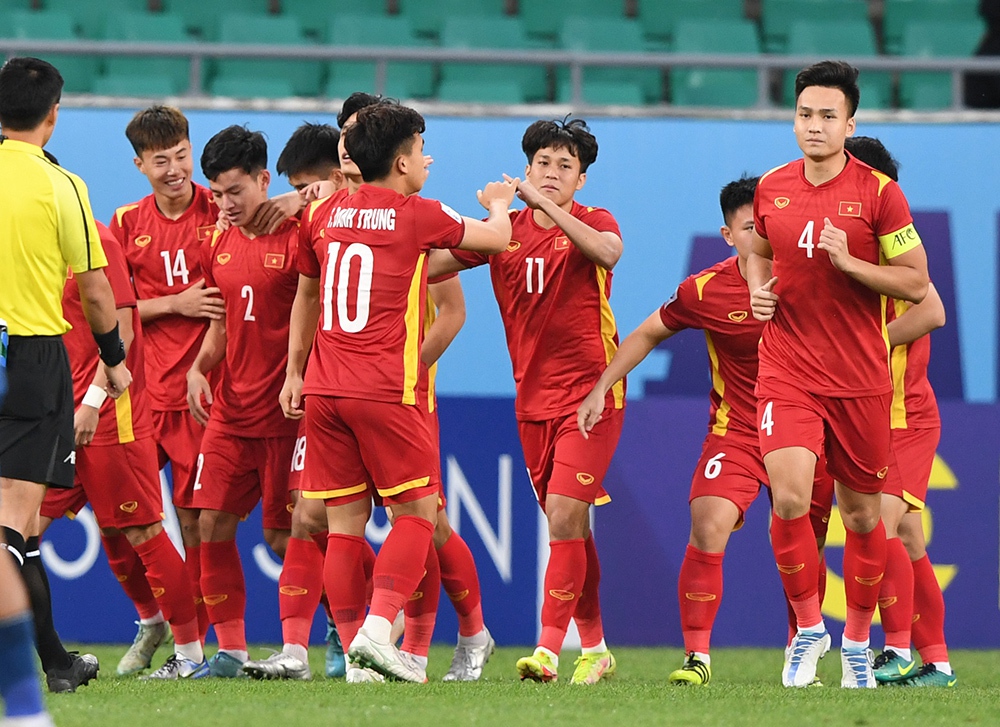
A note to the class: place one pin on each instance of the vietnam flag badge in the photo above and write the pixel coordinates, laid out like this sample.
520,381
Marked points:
849,209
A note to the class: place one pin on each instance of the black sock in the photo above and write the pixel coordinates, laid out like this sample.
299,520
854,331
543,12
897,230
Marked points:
50,648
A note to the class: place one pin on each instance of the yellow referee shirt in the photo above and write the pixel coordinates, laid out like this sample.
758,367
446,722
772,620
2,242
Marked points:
46,228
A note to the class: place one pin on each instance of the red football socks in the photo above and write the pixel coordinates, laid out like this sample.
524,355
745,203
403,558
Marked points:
299,589
588,610
795,554
895,598
864,569
131,573
368,566
166,576
344,578
564,579
461,582
224,592
699,591
192,566
421,610
928,613
399,566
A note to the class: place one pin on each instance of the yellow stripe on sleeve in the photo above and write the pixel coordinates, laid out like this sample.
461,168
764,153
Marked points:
413,321
897,366
896,243
608,330
123,416
721,424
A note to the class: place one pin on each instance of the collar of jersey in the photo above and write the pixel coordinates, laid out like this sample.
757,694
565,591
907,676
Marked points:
14,145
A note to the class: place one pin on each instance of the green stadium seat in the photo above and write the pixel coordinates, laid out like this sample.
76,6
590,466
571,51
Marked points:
141,84
403,79
545,18
428,18
658,17
78,71
480,32
314,16
715,86
609,35
91,16
149,27
605,93
899,13
927,38
302,76
503,91
778,16
839,38
204,17
251,87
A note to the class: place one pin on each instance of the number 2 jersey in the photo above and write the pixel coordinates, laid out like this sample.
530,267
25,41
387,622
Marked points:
369,251
828,334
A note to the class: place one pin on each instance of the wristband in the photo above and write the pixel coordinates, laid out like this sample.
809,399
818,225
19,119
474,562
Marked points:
95,397
111,346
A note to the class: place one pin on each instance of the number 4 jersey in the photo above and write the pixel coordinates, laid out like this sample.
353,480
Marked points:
828,334
369,250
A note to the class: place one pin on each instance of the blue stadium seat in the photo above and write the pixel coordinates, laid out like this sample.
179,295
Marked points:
203,17
303,76
545,18
78,72
148,27
403,79
778,16
428,18
935,38
314,16
91,16
715,86
658,18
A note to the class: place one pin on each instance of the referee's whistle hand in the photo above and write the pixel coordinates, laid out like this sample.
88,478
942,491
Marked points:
119,379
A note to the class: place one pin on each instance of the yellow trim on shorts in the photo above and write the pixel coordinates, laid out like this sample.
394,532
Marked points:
602,500
411,485
331,494
915,503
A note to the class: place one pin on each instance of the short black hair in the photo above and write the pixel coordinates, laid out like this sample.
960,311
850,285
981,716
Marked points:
570,134
354,103
157,128
235,147
29,88
831,74
311,148
383,131
873,153
737,194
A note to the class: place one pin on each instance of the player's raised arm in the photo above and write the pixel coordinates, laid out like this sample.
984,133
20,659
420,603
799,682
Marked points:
447,296
636,346
918,320
210,355
301,332
492,235
760,261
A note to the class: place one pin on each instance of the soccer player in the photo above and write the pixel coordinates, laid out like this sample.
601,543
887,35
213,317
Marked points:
366,389
910,600
247,448
117,473
821,225
553,284
162,235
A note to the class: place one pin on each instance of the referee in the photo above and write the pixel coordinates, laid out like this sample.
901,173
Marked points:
46,228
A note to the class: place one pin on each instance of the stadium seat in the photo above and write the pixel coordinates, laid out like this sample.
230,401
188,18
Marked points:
545,18
150,85
150,27
658,18
604,35
472,32
302,76
203,17
78,72
715,86
899,13
314,16
927,38
251,87
90,16
403,80
840,38
607,93
778,16
501,91
428,18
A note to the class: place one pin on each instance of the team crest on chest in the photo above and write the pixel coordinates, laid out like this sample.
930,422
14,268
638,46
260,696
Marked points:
781,202
738,316
561,243
274,260
143,240
223,258
514,245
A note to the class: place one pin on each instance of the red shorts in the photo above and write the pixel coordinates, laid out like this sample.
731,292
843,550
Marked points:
178,441
237,472
561,462
120,481
910,463
436,431
854,432
298,464
730,467
368,448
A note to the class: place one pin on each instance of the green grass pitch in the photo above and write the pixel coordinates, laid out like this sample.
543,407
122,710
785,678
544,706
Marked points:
745,690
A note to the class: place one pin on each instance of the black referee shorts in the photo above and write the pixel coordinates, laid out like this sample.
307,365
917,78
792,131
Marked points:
36,421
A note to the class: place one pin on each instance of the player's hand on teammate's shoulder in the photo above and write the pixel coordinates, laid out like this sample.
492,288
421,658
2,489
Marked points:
273,213
591,411
198,389
764,301
498,191
199,301
834,241
317,190
290,398
85,424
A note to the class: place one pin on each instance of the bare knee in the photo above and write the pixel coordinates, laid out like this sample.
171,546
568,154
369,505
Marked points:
308,518
216,526
859,511
911,532
277,540
712,522
442,530
136,536
190,529
568,519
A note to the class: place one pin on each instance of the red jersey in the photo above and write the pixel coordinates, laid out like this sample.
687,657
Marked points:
369,250
164,257
717,301
828,333
914,405
554,302
126,418
257,279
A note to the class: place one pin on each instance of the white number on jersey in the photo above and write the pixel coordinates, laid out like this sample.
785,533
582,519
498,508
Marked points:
247,293
767,421
535,264
299,455
714,466
806,239
197,474
339,278
177,270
